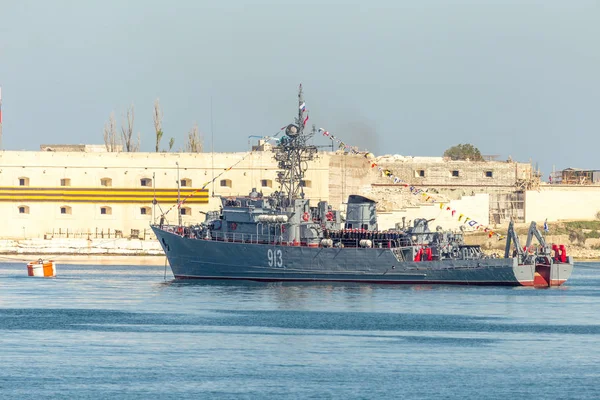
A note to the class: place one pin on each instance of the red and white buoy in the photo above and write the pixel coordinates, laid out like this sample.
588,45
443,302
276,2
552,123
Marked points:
41,268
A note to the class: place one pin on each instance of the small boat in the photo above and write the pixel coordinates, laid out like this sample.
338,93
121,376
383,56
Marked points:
43,268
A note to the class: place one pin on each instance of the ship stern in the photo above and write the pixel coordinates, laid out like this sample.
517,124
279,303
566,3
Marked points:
544,274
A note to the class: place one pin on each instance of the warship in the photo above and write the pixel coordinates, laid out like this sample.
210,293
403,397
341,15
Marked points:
282,237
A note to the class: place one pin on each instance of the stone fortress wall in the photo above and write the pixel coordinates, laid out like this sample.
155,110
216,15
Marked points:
84,192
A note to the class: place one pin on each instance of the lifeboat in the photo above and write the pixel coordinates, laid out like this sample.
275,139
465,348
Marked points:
42,268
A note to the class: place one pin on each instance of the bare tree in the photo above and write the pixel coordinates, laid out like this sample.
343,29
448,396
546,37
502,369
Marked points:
127,131
171,143
158,116
111,140
194,143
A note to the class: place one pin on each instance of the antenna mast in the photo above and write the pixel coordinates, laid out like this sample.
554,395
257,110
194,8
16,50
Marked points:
293,153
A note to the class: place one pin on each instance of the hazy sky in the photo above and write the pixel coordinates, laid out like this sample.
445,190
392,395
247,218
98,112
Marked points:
411,77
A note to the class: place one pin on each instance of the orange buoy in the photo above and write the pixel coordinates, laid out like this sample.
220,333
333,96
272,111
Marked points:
41,268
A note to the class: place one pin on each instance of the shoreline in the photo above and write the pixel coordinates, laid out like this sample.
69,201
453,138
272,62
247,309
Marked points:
84,259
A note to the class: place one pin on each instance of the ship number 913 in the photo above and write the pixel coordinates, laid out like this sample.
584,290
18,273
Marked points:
275,258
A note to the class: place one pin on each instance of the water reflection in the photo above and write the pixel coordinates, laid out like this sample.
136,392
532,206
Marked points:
124,332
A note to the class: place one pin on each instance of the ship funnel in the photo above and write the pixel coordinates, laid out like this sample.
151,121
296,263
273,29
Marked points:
361,213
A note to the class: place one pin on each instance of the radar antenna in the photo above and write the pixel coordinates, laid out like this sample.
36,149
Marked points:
293,153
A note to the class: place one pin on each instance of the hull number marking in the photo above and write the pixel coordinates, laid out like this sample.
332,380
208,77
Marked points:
275,258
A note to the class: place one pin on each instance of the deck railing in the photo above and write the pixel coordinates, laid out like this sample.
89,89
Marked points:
278,239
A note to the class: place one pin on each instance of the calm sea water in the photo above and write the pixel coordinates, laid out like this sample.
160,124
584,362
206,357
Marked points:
123,332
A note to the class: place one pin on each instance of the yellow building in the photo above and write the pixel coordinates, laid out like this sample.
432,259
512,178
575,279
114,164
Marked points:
78,193
83,191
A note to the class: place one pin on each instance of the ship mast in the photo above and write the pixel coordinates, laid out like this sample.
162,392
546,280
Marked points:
293,153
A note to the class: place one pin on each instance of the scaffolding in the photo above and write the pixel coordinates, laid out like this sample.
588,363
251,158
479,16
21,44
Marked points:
507,206
573,176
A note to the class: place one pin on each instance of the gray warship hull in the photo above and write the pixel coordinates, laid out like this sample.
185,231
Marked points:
192,258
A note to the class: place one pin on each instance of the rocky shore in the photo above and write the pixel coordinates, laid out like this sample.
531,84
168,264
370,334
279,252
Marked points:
587,252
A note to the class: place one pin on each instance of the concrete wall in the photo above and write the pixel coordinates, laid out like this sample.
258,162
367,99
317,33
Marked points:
438,171
46,169
126,170
349,174
331,177
475,207
557,202
354,174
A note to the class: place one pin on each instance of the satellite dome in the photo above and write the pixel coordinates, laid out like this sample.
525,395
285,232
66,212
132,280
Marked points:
291,130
